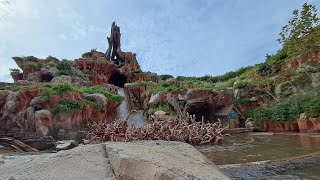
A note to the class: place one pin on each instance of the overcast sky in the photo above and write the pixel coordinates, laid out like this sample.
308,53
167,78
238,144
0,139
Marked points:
181,37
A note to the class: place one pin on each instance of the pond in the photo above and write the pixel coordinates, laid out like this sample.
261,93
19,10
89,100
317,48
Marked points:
267,156
244,148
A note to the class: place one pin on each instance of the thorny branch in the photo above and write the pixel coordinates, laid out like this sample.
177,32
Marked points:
186,130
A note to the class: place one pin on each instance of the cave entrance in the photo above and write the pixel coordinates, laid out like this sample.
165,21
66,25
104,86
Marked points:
201,110
118,79
47,77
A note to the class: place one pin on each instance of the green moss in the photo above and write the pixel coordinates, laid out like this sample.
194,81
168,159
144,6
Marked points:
57,89
95,105
96,89
23,87
240,101
164,87
67,106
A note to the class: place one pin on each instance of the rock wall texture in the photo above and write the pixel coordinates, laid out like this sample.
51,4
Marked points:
136,96
301,125
81,163
144,160
25,110
160,160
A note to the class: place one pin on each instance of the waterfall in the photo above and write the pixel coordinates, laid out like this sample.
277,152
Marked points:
137,118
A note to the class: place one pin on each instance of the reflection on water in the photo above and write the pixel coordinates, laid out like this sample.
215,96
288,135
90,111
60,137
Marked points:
266,147
137,119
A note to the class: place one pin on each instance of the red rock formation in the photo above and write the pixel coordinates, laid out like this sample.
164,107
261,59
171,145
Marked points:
16,76
25,110
306,125
25,97
101,70
144,77
136,96
302,125
296,62
130,62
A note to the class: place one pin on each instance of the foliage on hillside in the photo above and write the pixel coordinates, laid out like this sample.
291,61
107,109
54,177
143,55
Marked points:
289,109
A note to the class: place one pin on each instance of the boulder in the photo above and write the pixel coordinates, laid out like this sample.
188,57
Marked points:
38,101
98,98
81,163
160,160
110,87
74,80
161,116
66,145
154,99
43,121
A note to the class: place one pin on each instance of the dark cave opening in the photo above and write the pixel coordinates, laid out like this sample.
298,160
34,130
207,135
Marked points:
118,79
201,110
47,77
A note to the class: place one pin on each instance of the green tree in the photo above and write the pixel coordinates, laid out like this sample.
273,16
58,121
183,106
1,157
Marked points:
301,24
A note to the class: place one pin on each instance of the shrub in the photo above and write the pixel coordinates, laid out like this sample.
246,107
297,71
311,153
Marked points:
135,71
56,89
52,58
240,101
264,69
164,88
290,108
93,104
313,107
64,66
18,59
165,76
241,84
67,106
31,58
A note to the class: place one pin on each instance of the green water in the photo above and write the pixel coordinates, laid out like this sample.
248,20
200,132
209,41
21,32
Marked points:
246,148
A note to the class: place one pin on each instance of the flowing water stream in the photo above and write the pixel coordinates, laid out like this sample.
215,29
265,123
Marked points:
137,118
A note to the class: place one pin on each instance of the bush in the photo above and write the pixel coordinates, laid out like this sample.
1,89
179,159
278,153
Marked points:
67,106
95,105
313,107
289,109
242,85
165,76
52,58
56,89
64,66
135,71
264,69
31,58
240,101
18,59
164,88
